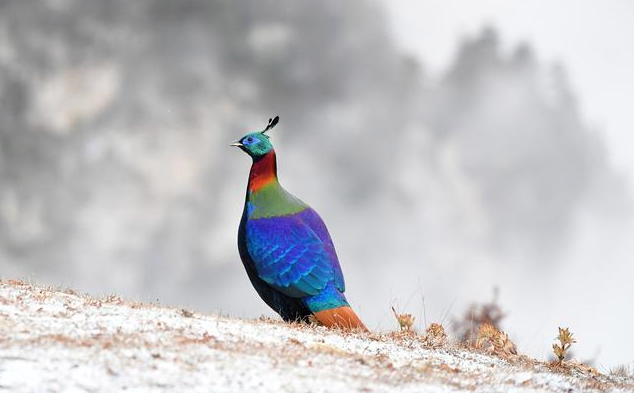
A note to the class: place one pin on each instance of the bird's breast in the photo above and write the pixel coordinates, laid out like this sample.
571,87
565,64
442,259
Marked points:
272,201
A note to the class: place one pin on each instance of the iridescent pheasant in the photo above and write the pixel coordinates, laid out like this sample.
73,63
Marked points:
285,246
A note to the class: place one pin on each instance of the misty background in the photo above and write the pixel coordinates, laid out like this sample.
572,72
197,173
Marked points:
438,183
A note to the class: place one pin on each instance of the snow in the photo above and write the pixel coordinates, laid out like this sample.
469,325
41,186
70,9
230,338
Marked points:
51,340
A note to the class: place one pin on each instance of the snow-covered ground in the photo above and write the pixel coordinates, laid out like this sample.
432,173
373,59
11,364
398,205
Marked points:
52,340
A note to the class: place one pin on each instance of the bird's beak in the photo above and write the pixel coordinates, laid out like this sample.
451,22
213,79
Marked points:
236,144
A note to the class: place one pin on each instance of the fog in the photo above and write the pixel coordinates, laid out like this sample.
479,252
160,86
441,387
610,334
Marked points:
116,175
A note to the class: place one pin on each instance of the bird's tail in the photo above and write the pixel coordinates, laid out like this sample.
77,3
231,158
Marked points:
342,317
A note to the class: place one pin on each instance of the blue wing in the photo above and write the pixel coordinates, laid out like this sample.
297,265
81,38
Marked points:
290,256
312,219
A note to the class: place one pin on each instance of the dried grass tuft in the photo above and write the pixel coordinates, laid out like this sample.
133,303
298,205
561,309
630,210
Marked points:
491,340
405,321
435,336
562,348
623,372
475,317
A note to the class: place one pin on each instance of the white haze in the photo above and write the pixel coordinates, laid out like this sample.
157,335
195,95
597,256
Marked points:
116,176
593,39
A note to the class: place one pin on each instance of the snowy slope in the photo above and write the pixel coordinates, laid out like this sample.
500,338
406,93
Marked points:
60,341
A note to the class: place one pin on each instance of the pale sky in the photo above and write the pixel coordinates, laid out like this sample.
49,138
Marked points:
593,39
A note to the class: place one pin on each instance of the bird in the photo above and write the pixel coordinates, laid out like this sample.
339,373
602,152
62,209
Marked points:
285,247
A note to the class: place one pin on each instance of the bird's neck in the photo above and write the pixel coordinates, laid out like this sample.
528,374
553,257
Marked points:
265,196
263,172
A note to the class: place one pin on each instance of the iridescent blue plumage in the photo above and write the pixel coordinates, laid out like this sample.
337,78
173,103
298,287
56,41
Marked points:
289,255
286,249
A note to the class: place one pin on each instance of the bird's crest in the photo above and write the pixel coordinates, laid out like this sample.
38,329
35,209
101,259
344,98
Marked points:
272,123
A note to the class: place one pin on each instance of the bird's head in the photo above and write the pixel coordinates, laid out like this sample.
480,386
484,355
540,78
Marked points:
257,144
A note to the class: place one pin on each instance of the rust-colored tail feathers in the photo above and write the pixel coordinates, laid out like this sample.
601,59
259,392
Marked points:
342,317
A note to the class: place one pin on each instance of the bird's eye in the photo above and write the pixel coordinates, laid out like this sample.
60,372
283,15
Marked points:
250,140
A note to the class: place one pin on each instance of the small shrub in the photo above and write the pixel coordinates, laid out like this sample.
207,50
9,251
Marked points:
490,339
405,321
476,316
435,336
565,342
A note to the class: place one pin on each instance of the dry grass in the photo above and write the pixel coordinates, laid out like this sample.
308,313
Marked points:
623,371
495,342
476,316
405,321
435,336
562,348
